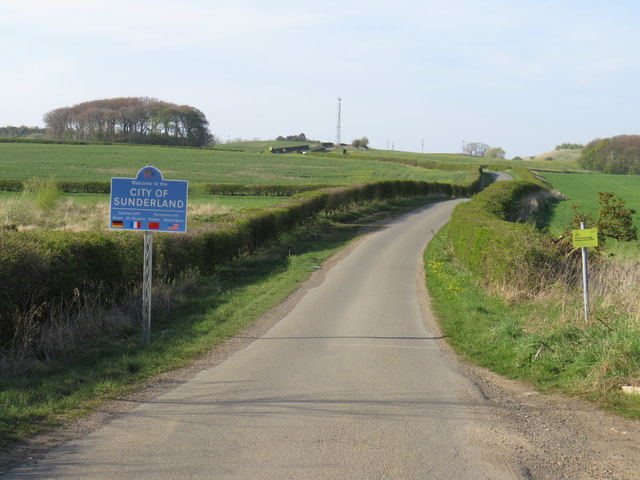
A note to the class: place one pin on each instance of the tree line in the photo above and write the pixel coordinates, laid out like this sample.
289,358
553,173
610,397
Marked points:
22,132
618,155
130,120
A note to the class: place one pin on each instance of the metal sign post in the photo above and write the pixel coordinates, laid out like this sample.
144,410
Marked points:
583,239
146,287
148,203
585,278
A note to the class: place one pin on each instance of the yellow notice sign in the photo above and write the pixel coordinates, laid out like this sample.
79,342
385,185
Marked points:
585,238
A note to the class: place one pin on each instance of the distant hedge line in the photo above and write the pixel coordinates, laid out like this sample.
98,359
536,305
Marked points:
203,189
40,267
485,239
67,186
276,190
254,190
414,162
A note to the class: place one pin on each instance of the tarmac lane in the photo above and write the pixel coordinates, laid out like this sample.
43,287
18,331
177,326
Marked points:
350,384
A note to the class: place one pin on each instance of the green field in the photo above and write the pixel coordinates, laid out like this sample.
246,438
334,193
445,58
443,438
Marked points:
24,161
582,189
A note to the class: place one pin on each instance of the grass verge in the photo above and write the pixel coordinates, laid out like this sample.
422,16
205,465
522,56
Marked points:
205,312
544,341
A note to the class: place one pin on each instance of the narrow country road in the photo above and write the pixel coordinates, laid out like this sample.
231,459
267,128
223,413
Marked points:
350,384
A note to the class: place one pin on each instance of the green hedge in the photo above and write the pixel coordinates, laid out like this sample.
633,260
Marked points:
254,190
38,268
528,176
104,187
11,185
63,186
494,248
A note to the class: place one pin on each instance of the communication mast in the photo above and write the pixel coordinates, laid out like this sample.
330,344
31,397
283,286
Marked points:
338,128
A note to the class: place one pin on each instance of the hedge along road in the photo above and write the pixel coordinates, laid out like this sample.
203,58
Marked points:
350,384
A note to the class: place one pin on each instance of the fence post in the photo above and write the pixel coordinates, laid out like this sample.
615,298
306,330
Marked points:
146,287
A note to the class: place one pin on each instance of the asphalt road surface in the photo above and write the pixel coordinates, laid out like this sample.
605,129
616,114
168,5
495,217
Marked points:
350,384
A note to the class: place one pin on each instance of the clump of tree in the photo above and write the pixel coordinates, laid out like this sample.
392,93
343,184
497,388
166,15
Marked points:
495,152
569,146
360,143
614,219
22,132
618,155
131,120
293,138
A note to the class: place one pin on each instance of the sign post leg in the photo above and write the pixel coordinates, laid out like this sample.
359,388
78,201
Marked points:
146,288
585,278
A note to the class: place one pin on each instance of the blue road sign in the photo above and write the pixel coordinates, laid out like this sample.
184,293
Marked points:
148,203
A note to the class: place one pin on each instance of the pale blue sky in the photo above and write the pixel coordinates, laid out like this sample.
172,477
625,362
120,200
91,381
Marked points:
524,76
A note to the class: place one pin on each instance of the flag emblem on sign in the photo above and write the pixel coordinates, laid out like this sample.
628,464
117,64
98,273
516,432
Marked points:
154,225
173,227
117,224
136,224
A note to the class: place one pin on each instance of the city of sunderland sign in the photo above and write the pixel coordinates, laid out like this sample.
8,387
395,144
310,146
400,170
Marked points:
148,203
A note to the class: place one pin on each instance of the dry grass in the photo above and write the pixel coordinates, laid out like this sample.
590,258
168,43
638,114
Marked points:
61,330
614,289
24,213
617,284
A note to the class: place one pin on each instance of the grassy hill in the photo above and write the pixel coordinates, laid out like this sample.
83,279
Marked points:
558,156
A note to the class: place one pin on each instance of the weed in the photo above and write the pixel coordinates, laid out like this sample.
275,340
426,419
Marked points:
46,193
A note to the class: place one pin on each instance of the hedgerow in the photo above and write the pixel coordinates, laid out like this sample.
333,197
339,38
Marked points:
254,190
414,162
501,252
40,267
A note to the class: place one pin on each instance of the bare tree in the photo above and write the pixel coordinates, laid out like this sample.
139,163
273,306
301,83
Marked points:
476,149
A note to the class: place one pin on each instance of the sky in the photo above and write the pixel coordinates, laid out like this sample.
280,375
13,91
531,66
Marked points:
412,75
